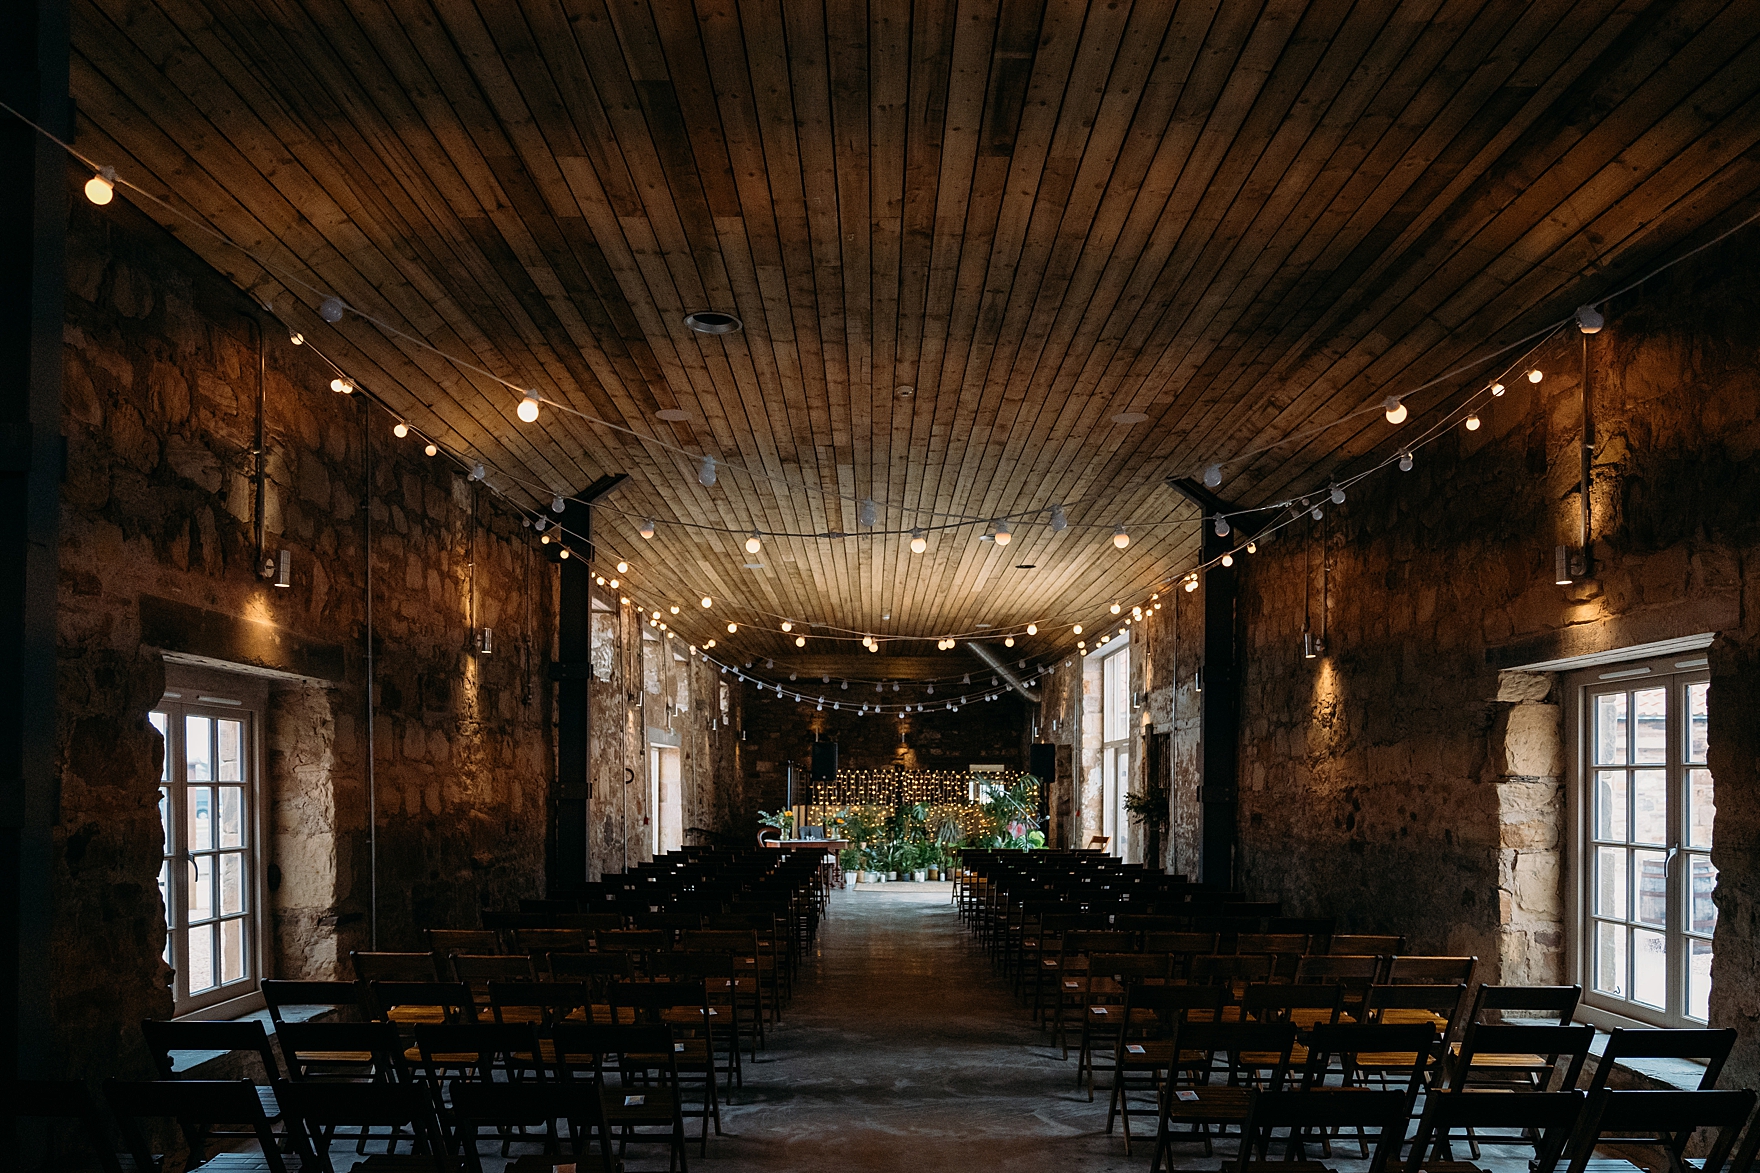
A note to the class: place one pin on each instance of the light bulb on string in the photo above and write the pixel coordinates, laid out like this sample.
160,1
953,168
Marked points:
918,542
1252,547
788,625
528,407
1405,462
1316,513
479,473
868,512
623,568
1221,526
1534,376
647,529
1116,608
1120,538
707,602
613,584
1008,642
295,337
800,641
1032,629
706,472
732,627
1077,629
1213,475
1003,534
1228,559
1497,390
101,188
400,429
431,450
564,554
341,386
675,608
1337,494
1472,421
1395,410
1059,522
753,544
1191,584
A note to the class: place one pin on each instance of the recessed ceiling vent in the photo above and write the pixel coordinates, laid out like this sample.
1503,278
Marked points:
712,322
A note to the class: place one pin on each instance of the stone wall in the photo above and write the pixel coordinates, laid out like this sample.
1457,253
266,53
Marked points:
160,393
1402,781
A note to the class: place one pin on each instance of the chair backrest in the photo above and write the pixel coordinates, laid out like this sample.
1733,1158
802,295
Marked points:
651,1000
1711,1046
1361,944
1185,943
743,942
543,1003
509,1045
1553,1045
1277,944
393,967
341,1050
1525,1002
1672,1115
541,941
1357,970
314,1110
245,1034
1269,1003
1128,968
586,1050
345,996
507,1106
60,1099
1405,970
1168,1006
1105,941
424,1001
1099,842
1438,1006
196,1104
477,970
1384,1112
1542,1119
444,941
594,969
1387,1047
1229,969
1243,1045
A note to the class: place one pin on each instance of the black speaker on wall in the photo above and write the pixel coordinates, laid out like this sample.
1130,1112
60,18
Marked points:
824,761
1042,764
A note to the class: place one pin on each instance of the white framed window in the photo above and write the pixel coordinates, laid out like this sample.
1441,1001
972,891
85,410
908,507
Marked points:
1644,813
210,815
1115,754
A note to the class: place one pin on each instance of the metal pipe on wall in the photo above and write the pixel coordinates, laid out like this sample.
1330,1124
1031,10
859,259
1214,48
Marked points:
372,782
1003,670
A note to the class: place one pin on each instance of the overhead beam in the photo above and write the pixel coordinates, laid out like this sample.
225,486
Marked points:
1003,670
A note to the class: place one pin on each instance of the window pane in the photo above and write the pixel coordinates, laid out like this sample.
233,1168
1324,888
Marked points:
1701,808
198,749
1650,806
231,816
1610,958
1610,729
165,899
201,959
231,739
1650,968
201,888
1651,741
201,818
1610,805
1610,882
231,950
231,883
1704,881
1699,979
1697,721
1652,873
164,821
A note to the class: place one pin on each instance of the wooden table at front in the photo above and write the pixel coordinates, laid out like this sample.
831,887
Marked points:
830,846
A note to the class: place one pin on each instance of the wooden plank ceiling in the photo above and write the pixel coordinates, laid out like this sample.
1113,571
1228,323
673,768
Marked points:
1237,219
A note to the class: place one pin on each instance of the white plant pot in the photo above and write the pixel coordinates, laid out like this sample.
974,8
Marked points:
920,875
849,879
892,875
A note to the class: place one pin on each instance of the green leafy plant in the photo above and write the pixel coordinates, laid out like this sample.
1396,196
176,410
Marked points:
1150,805
849,859
782,820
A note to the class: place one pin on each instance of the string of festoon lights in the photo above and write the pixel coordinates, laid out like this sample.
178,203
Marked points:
331,308
101,188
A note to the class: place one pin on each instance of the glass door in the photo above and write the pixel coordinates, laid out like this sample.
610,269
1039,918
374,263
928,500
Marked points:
1649,915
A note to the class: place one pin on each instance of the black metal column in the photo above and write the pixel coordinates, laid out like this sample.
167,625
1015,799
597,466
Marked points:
1219,719
33,236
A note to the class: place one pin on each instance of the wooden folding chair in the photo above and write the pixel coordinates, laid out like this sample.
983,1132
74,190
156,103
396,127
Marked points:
1146,1055
1355,972
633,1069
683,1006
1670,1118
1285,951
316,1111
342,1051
331,999
445,942
1404,970
477,970
1109,976
244,1036
1708,1046
1305,1113
197,1105
508,1106
1247,1055
1543,1120
1365,944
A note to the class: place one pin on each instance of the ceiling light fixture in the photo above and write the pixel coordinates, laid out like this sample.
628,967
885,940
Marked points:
400,429
1472,421
753,544
528,407
431,450
712,322
1032,629
1003,534
707,602
1534,376
1120,538
647,528
101,188
1396,411
918,542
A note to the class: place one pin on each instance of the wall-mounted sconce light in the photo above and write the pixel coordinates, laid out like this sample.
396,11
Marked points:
280,568
486,642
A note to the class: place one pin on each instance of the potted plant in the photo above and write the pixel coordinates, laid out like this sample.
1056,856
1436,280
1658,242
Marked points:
1150,807
850,860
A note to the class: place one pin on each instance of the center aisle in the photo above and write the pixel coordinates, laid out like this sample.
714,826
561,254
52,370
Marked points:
903,1052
